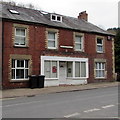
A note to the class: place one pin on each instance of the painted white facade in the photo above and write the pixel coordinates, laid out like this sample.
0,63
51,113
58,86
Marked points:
62,78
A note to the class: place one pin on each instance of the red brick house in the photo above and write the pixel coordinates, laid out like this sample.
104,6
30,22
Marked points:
66,50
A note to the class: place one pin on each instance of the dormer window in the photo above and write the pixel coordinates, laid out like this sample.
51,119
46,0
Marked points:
56,18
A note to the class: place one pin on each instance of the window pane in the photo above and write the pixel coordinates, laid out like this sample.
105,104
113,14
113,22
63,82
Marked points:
17,40
51,43
78,39
100,48
13,74
47,69
18,32
97,73
83,69
69,69
22,41
77,69
26,63
53,17
22,32
54,69
78,46
51,35
20,73
26,73
20,63
99,41
13,63
58,18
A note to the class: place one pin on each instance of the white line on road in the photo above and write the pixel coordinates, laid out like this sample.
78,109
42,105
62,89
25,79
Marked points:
91,110
107,106
71,115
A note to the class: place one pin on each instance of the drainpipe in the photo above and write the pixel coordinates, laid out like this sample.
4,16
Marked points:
2,50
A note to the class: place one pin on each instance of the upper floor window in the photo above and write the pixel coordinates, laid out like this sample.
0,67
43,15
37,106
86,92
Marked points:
52,40
56,18
79,42
20,36
100,45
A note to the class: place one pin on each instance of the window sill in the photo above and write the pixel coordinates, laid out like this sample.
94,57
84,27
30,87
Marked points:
20,80
20,46
100,78
100,52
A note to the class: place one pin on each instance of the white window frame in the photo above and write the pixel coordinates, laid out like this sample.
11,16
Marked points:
52,40
16,68
100,45
79,43
20,37
81,35
56,18
51,69
100,69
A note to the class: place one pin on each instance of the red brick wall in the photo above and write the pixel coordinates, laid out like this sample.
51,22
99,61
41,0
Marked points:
37,48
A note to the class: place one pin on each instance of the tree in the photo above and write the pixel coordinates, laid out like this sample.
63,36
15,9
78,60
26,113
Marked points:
117,51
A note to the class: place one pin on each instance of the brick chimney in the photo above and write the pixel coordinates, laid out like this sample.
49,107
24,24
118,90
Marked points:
83,15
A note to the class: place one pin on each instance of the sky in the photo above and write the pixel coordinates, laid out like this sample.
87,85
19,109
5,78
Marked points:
103,13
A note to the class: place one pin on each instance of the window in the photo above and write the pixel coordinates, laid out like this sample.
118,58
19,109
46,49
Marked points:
69,69
80,69
100,45
56,18
52,40
13,11
20,69
20,36
50,69
100,70
79,42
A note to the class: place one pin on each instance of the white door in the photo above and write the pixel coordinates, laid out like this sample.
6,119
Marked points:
62,73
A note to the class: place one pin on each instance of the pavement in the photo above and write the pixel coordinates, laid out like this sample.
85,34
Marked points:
22,92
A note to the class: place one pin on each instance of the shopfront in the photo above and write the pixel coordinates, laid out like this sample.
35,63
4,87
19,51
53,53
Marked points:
64,70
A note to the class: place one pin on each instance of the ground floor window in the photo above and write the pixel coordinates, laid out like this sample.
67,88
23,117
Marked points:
80,69
69,69
100,69
50,69
20,69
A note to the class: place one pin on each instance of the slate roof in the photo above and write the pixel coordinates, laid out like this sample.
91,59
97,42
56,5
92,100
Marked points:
37,16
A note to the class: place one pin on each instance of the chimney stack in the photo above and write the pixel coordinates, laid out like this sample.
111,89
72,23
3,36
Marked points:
83,15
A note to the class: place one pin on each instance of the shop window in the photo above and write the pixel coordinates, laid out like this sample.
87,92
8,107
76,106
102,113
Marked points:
50,69
69,69
80,69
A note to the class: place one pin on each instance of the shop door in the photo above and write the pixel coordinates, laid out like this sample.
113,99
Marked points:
62,73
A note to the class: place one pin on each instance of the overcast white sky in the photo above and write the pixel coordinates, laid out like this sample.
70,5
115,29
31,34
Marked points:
103,13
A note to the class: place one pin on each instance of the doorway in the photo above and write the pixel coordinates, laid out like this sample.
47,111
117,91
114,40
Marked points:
62,72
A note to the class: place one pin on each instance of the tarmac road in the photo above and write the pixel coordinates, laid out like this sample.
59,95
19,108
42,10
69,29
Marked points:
95,103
